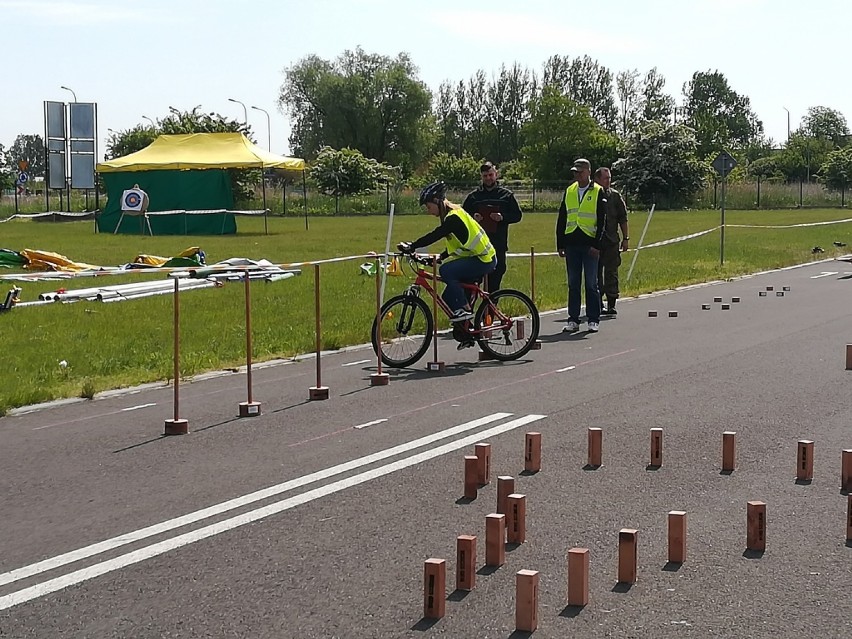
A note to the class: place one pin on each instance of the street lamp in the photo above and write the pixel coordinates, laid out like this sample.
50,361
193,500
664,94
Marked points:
245,112
268,128
788,123
153,126
72,92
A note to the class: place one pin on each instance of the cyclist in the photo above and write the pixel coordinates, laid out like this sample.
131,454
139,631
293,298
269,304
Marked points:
468,256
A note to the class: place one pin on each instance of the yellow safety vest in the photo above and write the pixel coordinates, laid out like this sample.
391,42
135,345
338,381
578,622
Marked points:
582,214
478,245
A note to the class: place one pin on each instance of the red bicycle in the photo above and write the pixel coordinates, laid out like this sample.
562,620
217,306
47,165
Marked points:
505,324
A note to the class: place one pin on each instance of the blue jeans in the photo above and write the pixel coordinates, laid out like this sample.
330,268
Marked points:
581,264
469,270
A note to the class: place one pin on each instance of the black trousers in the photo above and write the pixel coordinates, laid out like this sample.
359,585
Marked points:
608,263
495,278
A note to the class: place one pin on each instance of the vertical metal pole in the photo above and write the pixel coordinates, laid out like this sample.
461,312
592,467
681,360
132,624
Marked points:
758,191
435,310
801,189
722,241
533,195
305,197
532,273
248,336
378,317
318,322
265,209
177,351
284,197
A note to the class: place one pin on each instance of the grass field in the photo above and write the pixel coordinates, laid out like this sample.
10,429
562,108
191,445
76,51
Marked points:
126,343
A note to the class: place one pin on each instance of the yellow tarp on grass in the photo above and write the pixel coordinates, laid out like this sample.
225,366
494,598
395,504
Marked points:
201,151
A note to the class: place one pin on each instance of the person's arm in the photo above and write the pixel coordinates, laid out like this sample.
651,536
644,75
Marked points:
601,219
622,220
561,221
512,211
452,224
469,203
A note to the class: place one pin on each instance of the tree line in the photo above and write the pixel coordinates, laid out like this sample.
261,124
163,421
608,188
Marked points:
364,119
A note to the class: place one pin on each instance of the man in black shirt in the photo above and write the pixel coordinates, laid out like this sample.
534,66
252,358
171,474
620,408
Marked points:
495,208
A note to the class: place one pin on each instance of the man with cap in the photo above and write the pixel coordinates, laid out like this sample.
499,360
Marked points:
580,227
495,208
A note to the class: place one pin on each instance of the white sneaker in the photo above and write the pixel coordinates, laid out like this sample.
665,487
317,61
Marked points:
594,327
461,315
571,327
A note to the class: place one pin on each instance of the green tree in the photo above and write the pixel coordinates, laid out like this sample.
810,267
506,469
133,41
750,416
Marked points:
837,169
7,179
29,148
825,124
451,169
656,104
348,172
588,83
122,143
661,166
558,131
721,117
369,102
629,91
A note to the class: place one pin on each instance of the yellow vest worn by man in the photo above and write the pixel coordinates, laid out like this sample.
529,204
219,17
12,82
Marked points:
582,214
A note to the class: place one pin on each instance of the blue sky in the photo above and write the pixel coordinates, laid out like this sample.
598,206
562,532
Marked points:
140,57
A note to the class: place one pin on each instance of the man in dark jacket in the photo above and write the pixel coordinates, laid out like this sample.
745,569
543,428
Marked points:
495,208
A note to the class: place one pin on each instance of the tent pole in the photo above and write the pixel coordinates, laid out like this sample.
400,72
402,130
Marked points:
305,197
265,210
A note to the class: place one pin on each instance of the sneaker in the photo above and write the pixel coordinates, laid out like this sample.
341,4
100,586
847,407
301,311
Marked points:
461,315
594,327
464,345
571,327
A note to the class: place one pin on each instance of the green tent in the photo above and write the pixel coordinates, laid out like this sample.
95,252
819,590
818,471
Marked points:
172,191
183,175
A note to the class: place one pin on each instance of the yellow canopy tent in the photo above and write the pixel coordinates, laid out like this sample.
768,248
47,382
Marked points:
201,151
185,178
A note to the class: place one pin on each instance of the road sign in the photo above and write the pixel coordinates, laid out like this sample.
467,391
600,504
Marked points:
724,163
23,178
23,165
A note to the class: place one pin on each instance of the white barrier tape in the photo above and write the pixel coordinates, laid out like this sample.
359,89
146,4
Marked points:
788,226
647,246
674,240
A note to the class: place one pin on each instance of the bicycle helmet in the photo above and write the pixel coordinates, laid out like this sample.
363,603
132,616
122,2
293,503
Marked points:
433,191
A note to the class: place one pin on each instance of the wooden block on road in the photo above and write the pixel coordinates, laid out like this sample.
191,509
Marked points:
677,536
729,451
578,577
627,555
465,562
595,447
526,600
471,476
434,588
805,460
756,526
495,539
505,487
516,519
483,467
532,452
656,447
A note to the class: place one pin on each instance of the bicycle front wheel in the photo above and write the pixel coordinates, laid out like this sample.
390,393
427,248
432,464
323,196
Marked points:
506,325
404,331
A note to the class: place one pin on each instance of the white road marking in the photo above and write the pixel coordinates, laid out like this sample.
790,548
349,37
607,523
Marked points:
824,274
565,370
237,502
159,548
124,410
363,361
372,423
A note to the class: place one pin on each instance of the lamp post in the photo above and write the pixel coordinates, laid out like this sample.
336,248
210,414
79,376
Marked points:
788,123
153,126
268,128
245,111
71,91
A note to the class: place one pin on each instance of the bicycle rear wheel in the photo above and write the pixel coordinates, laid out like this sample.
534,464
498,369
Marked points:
507,325
404,332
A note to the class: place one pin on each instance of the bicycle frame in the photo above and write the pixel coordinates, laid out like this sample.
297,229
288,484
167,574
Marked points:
424,280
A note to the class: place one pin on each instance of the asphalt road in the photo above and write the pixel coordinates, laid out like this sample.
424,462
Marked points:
314,519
